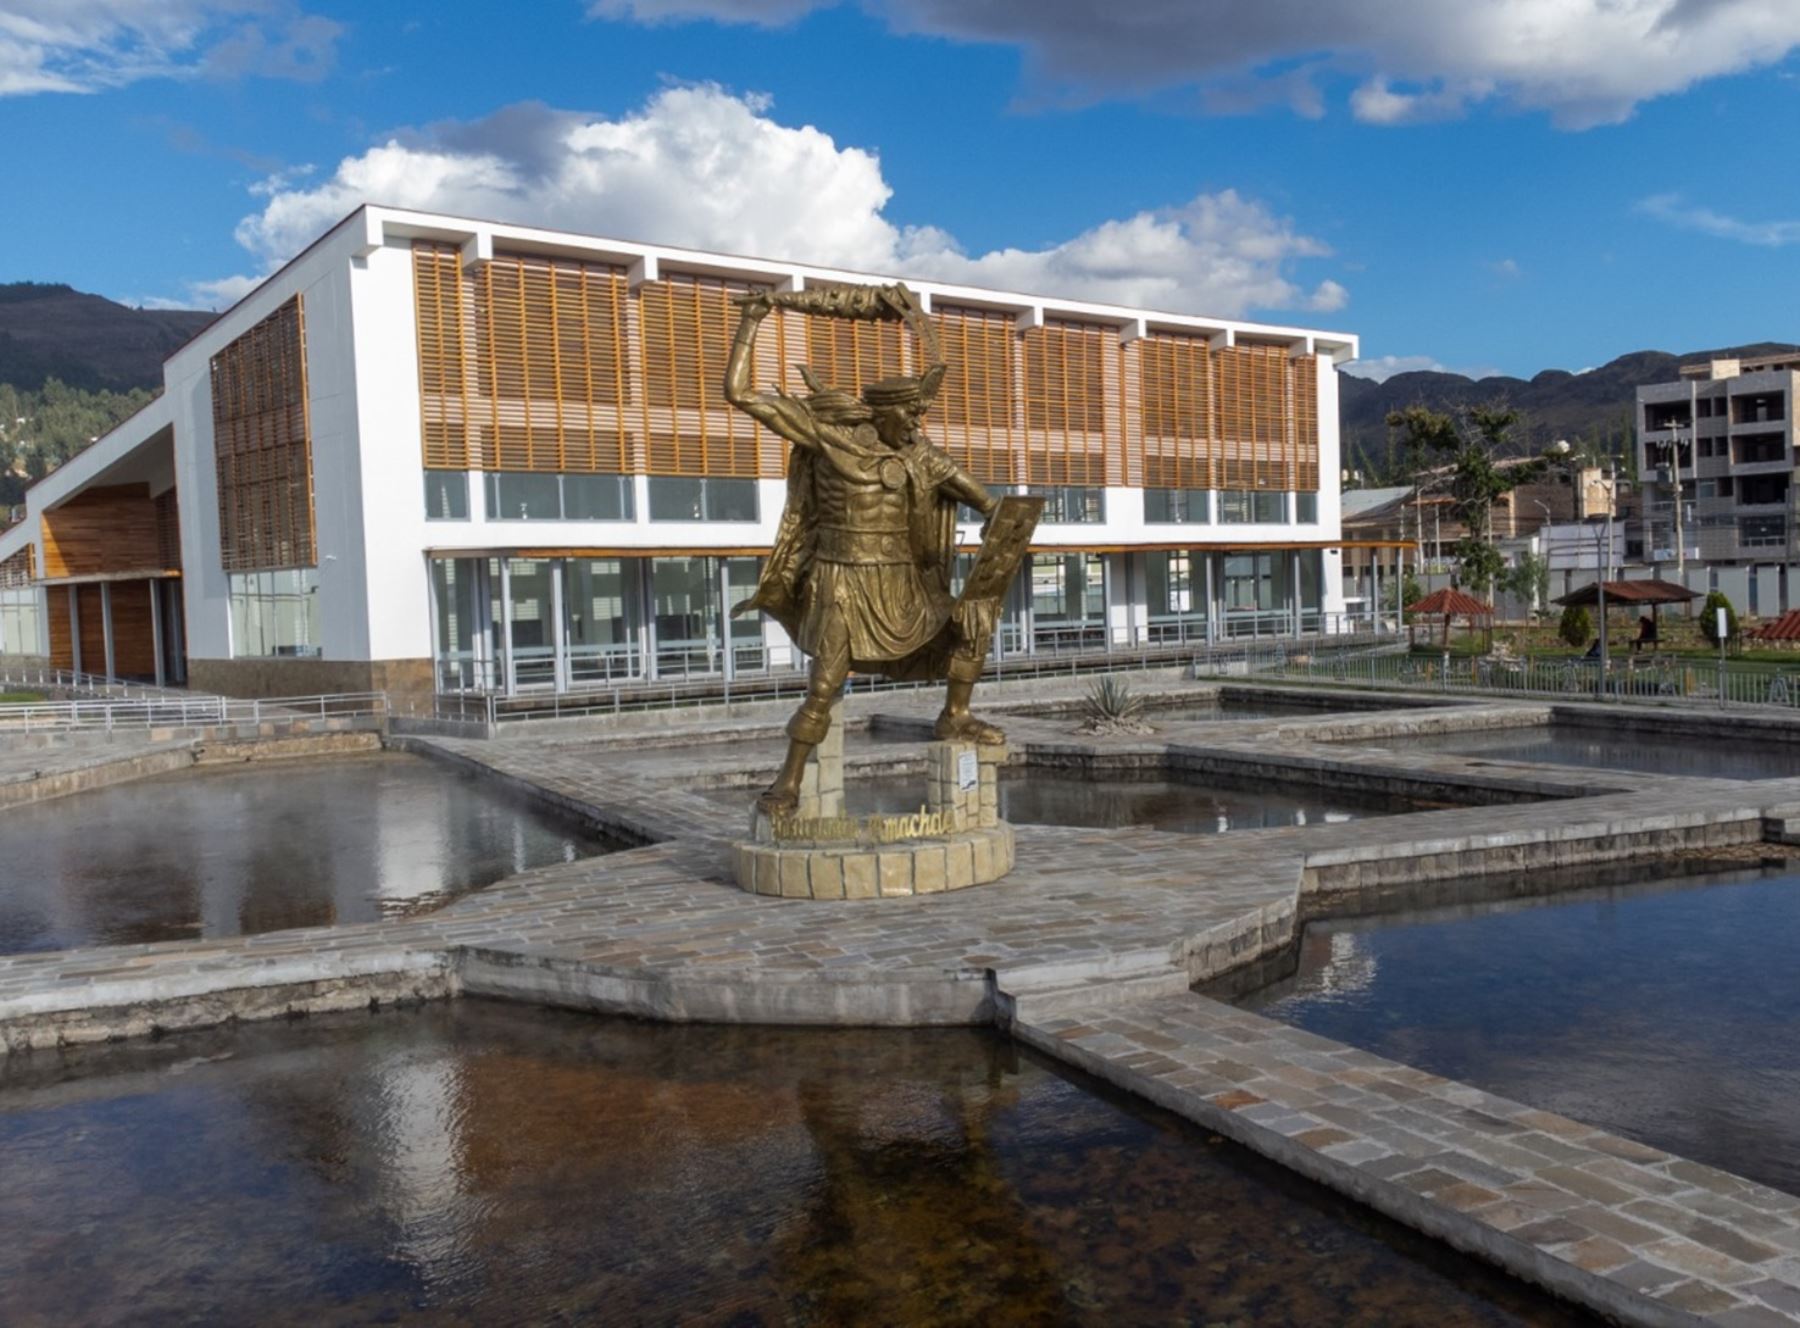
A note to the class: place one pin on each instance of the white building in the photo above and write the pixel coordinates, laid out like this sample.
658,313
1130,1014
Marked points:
434,454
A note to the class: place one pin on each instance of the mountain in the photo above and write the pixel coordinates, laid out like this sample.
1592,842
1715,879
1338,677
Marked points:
87,341
1555,404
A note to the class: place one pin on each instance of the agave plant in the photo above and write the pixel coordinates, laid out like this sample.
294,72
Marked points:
1109,701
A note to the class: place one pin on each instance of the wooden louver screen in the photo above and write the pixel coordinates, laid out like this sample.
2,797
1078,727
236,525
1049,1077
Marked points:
262,446
444,315
687,326
168,529
1306,423
1177,403
19,569
975,415
550,352
1066,416
1244,417
851,354
522,366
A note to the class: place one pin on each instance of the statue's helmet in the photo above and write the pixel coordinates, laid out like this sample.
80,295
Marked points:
905,390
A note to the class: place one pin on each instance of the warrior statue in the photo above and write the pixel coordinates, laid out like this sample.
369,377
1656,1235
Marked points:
861,567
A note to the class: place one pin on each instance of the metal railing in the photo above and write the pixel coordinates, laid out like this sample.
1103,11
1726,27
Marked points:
1556,678
68,680
179,710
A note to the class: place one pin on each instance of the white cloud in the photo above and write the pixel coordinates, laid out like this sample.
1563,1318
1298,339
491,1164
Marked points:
1586,62
699,166
1507,269
87,45
1676,211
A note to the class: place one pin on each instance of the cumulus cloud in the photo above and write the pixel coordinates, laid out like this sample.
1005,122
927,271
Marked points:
1676,211
88,45
700,166
1586,62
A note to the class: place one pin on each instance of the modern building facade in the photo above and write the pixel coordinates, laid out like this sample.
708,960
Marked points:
434,454
1722,438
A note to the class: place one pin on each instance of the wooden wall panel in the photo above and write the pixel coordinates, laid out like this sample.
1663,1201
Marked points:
262,446
1241,417
134,637
93,628
112,528
62,651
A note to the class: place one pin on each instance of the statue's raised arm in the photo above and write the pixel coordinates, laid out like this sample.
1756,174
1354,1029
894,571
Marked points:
791,418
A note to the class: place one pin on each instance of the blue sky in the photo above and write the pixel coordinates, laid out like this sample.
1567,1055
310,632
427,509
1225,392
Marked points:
1505,186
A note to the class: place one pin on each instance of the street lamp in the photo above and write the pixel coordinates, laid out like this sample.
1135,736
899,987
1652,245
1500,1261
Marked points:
1560,449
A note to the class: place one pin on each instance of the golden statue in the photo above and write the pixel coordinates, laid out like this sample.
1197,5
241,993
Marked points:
861,567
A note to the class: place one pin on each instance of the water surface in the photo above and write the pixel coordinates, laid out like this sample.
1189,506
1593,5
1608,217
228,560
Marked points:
487,1164
1568,744
1667,1011
239,849
1054,797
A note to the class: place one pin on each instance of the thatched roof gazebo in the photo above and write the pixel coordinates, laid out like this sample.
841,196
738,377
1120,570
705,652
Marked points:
1452,603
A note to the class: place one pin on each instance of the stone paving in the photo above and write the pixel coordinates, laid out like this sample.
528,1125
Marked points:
1620,1227
1087,950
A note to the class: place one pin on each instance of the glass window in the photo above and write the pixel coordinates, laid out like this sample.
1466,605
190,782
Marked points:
275,613
730,500
1306,509
1250,582
20,616
454,586
1249,506
1067,587
523,496
446,495
1071,504
1187,507
600,613
1175,584
679,498
596,497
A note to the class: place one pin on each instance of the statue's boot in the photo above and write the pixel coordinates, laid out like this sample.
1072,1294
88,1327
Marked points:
956,724
806,730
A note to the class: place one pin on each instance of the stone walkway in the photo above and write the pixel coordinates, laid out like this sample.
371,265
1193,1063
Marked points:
1087,950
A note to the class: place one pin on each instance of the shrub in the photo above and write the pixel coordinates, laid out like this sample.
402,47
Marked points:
1709,618
1109,700
1576,626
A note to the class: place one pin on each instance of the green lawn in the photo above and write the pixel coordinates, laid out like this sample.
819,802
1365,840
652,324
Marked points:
20,698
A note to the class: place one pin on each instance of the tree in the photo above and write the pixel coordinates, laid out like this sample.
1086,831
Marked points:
1528,579
1471,443
1709,618
41,429
1576,627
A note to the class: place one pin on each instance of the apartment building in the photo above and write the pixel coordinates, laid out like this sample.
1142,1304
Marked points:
1721,437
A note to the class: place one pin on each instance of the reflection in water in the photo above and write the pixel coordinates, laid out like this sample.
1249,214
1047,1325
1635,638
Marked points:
477,1163
1053,797
1630,1009
253,848
1558,744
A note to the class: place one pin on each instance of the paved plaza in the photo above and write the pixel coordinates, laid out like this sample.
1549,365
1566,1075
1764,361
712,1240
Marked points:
1087,951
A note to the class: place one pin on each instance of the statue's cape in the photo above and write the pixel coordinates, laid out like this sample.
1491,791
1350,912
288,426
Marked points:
858,452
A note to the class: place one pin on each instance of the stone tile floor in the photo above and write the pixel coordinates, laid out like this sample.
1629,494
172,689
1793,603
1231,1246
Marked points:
1088,949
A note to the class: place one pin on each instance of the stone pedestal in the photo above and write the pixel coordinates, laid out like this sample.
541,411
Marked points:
961,840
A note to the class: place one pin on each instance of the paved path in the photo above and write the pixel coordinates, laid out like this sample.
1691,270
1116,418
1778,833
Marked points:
1087,949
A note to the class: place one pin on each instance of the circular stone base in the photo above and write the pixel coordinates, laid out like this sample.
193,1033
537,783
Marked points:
863,871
